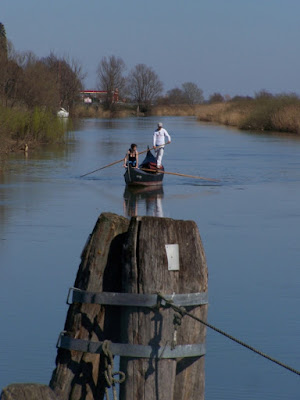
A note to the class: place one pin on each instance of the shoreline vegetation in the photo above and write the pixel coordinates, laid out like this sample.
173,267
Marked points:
267,113
33,89
21,129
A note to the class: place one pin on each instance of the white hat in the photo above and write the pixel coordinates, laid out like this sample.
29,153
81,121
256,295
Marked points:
160,124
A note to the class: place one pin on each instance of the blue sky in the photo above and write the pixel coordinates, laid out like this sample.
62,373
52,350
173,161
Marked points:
227,46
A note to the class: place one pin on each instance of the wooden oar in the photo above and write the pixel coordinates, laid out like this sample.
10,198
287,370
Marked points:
105,166
116,162
184,175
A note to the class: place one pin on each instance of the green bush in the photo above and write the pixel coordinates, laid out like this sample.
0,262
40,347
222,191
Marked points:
36,125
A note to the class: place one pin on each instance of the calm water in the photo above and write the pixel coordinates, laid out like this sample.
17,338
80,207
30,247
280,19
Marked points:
249,223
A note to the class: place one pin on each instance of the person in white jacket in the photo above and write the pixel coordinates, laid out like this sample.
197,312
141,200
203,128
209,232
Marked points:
159,141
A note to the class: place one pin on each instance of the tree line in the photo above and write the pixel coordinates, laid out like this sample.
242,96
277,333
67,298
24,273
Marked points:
52,82
29,81
142,85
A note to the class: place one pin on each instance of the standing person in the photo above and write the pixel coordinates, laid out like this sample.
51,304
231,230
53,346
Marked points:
132,157
159,141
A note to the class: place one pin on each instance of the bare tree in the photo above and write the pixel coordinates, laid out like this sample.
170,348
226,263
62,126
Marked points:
110,77
11,74
38,87
3,41
13,78
3,61
69,77
176,96
216,98
192,93
144,85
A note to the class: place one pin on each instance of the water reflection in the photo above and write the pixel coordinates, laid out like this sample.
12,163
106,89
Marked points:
144,200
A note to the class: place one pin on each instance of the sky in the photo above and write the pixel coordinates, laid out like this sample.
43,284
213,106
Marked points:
233,47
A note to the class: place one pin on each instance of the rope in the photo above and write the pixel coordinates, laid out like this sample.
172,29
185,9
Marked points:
109,374
182,311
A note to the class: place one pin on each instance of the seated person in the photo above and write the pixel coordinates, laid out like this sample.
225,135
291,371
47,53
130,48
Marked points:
132,157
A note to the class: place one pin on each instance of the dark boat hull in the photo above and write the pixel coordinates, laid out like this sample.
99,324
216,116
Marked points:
138,177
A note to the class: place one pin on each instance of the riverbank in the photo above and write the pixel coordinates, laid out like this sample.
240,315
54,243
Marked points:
21,128
280,113
269,113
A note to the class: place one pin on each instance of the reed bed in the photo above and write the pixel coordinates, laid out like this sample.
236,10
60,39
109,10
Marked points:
270,113
83,111
180,110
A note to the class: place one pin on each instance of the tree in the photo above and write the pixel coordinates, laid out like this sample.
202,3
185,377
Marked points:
192,93
13,78
3,61
110,77
3,41
68,76
12,74
263,94
38,87
144,85
216,98
189,93
176,96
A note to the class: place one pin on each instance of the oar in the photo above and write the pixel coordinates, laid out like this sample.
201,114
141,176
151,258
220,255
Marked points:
105,166
176,173
116,162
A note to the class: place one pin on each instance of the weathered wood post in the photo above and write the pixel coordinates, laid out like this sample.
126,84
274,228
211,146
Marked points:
166,256
118,308
27,391
77,375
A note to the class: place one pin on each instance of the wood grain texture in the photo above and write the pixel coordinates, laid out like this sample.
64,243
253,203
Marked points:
145,270
79,375
27,391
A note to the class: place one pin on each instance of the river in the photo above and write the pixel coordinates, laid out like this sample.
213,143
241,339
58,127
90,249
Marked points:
249,222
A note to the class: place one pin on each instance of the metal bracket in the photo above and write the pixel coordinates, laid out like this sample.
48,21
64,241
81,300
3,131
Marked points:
132,299
131,350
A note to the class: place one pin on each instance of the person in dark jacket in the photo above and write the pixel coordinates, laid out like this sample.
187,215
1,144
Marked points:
132,157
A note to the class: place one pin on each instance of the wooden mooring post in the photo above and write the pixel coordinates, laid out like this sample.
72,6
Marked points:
116,309
166,256
124,266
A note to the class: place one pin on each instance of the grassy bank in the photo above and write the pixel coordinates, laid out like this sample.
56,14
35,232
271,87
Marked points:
266,113
19,127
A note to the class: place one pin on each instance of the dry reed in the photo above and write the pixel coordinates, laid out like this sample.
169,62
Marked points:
275,113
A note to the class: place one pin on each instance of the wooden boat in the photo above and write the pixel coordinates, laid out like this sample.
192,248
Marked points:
138,177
